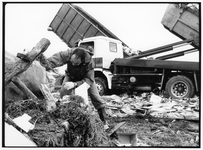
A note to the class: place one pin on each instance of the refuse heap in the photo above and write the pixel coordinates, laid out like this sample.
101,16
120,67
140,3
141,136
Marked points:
68,124
149,104
71,124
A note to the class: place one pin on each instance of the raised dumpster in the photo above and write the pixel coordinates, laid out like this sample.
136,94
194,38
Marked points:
183,21
72,23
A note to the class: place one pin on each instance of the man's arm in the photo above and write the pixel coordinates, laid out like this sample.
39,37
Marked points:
58,59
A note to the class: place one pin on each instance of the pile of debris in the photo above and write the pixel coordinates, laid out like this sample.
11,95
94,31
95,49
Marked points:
47,121
70,124
153,105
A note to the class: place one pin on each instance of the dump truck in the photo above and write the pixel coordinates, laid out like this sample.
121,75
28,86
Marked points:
118,70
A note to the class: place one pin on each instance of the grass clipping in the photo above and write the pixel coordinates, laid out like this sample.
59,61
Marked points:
71,124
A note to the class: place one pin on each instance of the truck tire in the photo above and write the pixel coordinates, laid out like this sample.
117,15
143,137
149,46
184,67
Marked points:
101,85
179,87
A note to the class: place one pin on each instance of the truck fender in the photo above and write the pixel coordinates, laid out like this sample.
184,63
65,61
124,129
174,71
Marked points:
107,74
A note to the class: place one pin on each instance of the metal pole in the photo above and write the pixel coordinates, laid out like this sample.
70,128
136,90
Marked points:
159,49
181,53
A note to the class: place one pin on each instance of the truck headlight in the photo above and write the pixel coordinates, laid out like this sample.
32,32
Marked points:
132,79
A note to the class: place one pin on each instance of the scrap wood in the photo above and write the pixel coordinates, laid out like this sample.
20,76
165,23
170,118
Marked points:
22,65
23,88
110,131
50,100
10,121
46,92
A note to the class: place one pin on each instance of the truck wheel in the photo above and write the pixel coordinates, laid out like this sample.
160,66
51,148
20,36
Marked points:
101,85
179,87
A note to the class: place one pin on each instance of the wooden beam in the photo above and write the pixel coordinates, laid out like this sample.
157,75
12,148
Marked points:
22,65
50,101
23,88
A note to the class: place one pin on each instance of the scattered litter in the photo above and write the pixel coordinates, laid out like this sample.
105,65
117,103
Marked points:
153,105
23,122
155,99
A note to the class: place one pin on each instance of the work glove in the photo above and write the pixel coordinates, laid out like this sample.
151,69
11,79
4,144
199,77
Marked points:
69,85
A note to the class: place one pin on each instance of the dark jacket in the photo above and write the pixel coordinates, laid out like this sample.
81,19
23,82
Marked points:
79,74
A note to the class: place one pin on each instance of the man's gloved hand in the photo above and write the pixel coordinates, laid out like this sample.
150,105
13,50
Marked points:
69,85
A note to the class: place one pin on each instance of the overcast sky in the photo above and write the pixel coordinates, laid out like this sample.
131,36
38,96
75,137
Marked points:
137,24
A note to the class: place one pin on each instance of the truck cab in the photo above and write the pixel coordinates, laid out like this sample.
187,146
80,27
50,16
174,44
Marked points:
105,50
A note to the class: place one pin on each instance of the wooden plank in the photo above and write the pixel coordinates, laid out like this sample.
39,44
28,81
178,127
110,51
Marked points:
51,104
23,88
116,127
22,65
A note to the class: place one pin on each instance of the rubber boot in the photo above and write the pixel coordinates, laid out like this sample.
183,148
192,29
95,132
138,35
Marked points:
102,116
